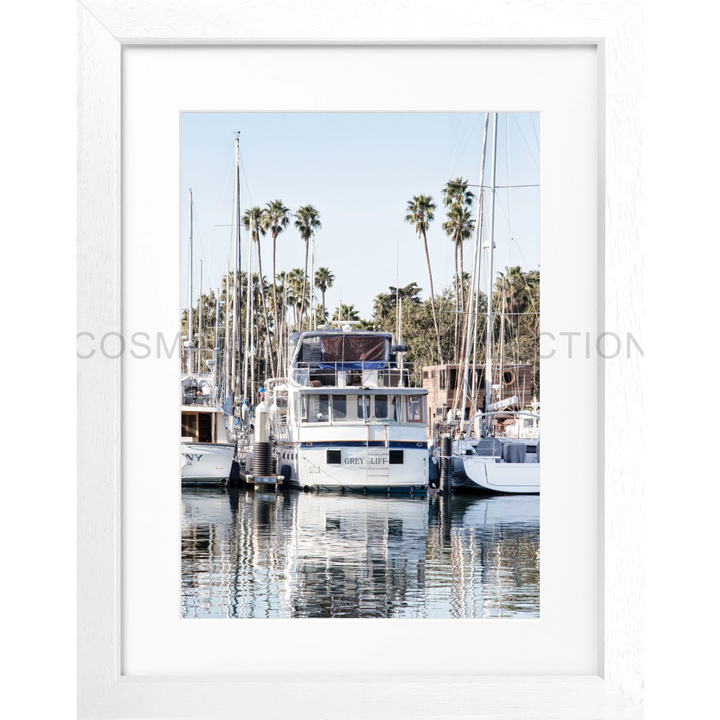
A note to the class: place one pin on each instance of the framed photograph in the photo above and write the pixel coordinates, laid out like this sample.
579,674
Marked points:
331,227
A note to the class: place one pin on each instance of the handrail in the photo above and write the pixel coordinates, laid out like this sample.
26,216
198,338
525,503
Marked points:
401,375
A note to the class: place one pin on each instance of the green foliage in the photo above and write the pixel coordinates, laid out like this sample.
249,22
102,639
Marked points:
280,306
346,312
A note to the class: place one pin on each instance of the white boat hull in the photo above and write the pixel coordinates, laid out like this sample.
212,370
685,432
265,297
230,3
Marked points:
487,474
205,463
359,467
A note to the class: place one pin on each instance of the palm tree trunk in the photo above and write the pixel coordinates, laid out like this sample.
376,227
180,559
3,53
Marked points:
264,303
432,300
323,305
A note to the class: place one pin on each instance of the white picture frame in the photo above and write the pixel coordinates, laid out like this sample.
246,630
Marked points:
104,28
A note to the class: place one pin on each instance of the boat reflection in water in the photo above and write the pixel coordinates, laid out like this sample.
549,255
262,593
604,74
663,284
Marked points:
247,554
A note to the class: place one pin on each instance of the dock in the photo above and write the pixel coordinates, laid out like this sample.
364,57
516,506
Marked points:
263,482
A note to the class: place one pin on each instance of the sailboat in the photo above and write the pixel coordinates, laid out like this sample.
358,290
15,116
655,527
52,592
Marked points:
504,456
206,452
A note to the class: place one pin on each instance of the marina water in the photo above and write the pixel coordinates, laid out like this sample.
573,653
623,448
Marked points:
248,554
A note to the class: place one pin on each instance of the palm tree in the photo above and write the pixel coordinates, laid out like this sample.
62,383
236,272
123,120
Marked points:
409,293
275,219
458,227
459,200
296,282
383,304
456,193
324,279
254,223
513,284
346,312
532,278
420,211
307,221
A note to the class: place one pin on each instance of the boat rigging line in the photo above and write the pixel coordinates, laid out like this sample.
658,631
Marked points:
525,141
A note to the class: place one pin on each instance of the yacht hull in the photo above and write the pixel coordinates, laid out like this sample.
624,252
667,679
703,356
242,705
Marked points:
484,473
395,468
205,463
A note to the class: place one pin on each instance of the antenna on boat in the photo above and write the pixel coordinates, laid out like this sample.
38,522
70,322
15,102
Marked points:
397,285
398,301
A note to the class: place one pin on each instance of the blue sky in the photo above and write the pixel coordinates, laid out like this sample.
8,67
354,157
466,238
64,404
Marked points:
359,170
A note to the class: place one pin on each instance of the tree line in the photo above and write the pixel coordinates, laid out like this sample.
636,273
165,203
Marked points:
282,304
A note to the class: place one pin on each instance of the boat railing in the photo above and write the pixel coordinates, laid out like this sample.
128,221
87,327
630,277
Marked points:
198,400
243,444
279,432
273,383
356,374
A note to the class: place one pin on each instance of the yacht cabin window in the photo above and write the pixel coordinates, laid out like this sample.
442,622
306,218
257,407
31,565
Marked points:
339,407
386,408
321,408
415,408
316,408
363,407
197,427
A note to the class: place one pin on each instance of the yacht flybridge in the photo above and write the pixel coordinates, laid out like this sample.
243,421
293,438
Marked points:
345,416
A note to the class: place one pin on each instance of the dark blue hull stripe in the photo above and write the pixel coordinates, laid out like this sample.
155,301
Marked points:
362,443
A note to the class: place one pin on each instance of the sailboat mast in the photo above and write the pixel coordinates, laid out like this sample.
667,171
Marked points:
475,280
236,269
200,321
312,276
474,387
238,262
190,289
251,325
216,370
398,302
475,379
226,348
248,325
491,247
502,340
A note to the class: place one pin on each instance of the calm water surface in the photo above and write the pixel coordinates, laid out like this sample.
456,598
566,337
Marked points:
247,554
